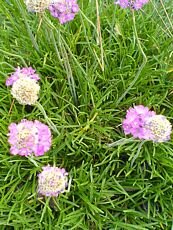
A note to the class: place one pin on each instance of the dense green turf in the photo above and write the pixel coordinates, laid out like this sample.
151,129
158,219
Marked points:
87,84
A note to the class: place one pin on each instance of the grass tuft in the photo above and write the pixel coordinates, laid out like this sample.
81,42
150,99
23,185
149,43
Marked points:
92,70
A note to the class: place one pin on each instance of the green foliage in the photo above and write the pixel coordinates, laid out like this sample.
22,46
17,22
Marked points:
84,72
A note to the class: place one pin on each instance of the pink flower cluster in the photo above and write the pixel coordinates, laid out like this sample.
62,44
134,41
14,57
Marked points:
64,10
52,181
33,137
142,123
29,137
133,4
28,72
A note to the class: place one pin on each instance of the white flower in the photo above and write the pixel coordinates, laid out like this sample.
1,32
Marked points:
25,91
159,127
37,5
52,181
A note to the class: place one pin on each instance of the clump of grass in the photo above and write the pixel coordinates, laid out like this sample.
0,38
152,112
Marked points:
85,67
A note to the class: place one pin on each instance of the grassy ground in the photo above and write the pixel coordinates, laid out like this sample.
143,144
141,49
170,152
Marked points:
87,84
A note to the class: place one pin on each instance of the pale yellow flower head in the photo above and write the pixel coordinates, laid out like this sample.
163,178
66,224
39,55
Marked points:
25,91
37,5
159,128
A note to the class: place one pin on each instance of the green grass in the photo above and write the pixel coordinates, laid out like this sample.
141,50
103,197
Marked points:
85,78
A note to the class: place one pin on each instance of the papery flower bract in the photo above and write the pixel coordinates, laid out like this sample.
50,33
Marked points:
52,181
134,122
29,138
133,4
64,10
159,127
37,5
28,72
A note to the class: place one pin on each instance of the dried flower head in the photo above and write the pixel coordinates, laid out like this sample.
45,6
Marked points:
37,5
160,128
25,91
52,181
29,137
133,4
24,85
64,10
135,119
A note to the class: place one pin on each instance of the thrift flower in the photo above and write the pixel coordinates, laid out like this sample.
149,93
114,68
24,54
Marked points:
52,181
29,138
135,120
142,123
64,10
25,91
133,4
37,5
159,127
24,85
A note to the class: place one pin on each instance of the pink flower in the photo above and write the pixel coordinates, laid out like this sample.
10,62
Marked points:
133,4
64,10
134,122
20,73
52,181
123,3
29,137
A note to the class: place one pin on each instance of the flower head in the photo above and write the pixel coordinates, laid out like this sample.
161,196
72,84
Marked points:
24,85
142,123
159,127
29,137
52,181
133,4
37,5
135,119
64,10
